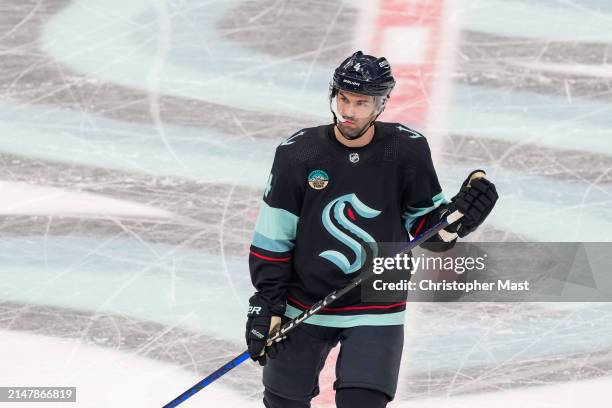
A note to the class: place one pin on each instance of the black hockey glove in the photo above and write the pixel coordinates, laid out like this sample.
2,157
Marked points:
475,200
260,323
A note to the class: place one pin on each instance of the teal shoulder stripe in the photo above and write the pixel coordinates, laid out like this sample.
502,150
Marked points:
276,223
413,213
274,245
390,319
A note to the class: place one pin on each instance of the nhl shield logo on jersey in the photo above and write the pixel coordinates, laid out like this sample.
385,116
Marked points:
354,157
318,179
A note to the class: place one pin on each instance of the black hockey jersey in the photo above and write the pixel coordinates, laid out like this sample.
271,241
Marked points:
322,201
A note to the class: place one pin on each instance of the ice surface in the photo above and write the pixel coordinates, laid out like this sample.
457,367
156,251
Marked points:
135,141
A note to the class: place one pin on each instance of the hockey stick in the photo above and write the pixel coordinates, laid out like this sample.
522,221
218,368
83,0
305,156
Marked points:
329,299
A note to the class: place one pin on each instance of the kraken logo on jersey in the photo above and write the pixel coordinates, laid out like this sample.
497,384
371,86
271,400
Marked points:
337,207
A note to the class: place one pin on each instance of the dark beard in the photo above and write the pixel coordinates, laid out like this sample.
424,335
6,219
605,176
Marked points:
352,134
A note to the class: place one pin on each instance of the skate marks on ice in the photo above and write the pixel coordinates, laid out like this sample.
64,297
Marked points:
30,76
545,88
477,359
491,68
484,58
478,348
195,355
483,54
194,207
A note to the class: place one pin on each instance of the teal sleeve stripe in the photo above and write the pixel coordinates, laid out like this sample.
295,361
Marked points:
390,319
413,213
276,223
274,245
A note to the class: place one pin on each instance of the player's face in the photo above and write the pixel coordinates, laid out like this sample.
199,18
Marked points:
357,109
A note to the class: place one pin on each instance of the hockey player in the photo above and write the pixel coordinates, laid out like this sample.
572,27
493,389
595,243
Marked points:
332,188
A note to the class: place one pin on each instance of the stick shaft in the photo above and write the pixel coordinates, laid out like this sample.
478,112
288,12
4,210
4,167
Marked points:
208,380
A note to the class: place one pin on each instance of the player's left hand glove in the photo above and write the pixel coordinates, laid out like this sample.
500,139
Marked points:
475,200
260,323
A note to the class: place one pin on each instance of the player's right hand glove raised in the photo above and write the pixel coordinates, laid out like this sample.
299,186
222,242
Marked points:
260,323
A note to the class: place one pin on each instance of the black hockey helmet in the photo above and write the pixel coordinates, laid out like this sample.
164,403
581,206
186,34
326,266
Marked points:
363,74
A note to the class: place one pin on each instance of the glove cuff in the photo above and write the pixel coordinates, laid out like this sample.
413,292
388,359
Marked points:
260,306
